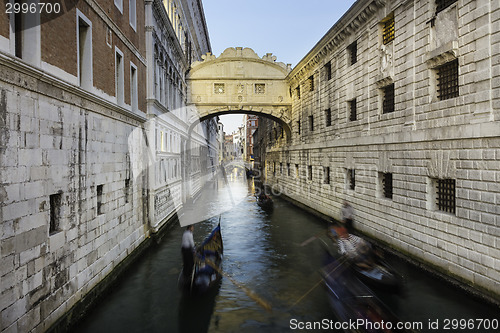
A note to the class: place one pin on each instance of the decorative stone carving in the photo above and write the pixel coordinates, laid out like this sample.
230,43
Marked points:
386,61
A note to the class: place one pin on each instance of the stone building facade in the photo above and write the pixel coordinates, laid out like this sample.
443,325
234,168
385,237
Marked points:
397,110
73,93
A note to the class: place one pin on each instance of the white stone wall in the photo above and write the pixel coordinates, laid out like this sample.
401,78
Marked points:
423,139
58,142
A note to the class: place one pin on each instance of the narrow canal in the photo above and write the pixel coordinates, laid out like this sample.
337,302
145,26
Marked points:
262,251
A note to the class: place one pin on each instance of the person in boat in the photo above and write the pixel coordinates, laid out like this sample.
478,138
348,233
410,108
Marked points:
347,215
187,249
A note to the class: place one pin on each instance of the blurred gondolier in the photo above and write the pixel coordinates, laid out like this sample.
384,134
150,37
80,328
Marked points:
347,215
187,249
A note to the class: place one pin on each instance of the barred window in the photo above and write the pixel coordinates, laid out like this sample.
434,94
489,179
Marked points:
219,88
297,174
328,70
388,103
352,110
445,195
326,171
310,172
260,88
328,117
311,83
387,185
388,33
298,126
297,91
281,168
351,178
443,4
311,123
447,76
353,53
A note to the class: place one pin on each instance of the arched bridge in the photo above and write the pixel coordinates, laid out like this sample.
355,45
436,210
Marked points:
239,81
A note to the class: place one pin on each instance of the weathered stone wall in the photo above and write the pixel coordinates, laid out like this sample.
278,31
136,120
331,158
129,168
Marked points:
422,140
53,144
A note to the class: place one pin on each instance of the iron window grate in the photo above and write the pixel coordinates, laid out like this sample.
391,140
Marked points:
328,70
448,80
388,105
311,123
353,111
353,52
388,35
445,195
443,4
328,114
387,185
351,175
311,83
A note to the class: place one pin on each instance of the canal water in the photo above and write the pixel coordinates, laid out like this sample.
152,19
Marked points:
263,252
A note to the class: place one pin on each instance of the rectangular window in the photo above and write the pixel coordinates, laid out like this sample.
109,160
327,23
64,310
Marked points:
132,13
297,171
119,77
99,199
298,127
281,168
352,110
447,77
288,168
84,53
352,51
310,172
274,169
443,4
351,179
328,71
297,91
311,83
55,201
328,117
386,179
388,99
127,190
445,195
326,172
18,32
388,30
311,123
260,88
134,99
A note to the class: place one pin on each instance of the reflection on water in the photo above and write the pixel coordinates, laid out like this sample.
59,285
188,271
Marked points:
261,251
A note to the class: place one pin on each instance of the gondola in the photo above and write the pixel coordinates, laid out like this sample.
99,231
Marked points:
352,301
378,273
208,259
265,202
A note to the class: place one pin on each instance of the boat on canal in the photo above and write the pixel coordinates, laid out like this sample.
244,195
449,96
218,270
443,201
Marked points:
265,202
367,263
352,301
208,260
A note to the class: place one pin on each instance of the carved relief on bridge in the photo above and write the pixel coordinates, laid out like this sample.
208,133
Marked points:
240,81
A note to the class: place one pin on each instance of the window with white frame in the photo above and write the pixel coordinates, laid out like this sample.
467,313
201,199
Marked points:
134,100
84,36
132,13
119,5
119,77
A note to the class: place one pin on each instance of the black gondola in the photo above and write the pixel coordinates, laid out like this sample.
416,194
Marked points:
377,272
265,202
352,301
208,259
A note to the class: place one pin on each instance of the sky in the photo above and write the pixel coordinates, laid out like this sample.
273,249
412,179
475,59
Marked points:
287,28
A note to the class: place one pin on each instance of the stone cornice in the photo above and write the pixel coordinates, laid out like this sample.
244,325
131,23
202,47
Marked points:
348,24
239,54
38,76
